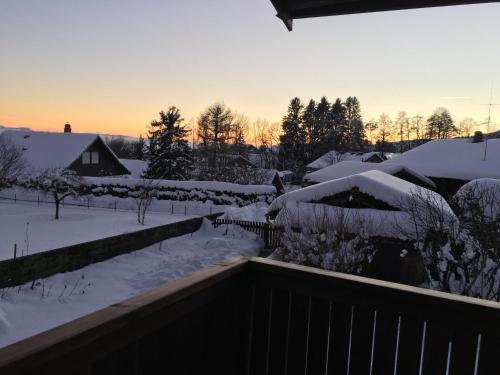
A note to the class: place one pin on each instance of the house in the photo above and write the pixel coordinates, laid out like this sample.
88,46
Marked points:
451,163
333,157
349,168
85,154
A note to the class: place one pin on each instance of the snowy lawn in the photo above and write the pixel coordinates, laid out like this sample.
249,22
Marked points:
61,298
76,225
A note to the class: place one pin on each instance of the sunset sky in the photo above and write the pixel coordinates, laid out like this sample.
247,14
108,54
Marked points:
109,66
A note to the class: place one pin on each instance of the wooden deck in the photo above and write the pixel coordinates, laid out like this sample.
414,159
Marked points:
256,316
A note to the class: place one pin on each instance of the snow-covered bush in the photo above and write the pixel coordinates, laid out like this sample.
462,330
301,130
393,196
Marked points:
460,255
326,240
219,193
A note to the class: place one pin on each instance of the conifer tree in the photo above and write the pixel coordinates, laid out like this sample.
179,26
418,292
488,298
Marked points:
338,128
322,125
169,153
139,149
294,137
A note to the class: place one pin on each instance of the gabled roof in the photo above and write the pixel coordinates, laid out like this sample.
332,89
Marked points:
458,159
386,188
332,157
288,10
349,168
136,167
43,150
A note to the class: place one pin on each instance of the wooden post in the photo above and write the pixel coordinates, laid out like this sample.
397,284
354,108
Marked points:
172,208
15,250
185,210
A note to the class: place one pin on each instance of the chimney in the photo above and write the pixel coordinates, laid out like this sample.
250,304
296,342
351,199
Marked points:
67,128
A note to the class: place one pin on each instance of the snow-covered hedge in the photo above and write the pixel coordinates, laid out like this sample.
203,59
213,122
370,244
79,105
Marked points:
219,193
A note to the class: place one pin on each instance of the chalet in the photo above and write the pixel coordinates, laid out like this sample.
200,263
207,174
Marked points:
334,157
86,154
349,168
451,163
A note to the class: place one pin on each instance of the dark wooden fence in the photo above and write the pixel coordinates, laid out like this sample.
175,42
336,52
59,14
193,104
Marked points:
270,235
256,316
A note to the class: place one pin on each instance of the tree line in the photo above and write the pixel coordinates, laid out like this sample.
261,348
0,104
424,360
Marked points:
206,149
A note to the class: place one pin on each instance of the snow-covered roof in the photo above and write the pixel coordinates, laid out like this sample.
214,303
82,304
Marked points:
333,157
349,168
386,188
454,158
136,167
44,150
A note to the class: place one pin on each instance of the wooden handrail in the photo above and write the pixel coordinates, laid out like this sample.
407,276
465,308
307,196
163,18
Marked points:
254,308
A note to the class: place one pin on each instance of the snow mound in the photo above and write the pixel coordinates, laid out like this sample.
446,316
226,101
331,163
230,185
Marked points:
484,193
252,212
349,168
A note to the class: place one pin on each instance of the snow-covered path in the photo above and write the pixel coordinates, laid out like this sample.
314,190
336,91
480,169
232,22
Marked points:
76,225
64,297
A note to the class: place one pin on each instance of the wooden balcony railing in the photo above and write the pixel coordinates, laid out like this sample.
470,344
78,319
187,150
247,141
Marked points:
256,316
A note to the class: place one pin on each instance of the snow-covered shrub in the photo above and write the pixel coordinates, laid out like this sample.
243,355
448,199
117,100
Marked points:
324,240
460,255
219,193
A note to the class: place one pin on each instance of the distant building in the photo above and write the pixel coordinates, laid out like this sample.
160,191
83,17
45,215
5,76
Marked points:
333,157
349,168
451,163
86,154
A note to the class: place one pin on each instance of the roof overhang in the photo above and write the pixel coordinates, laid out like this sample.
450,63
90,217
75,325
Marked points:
288,10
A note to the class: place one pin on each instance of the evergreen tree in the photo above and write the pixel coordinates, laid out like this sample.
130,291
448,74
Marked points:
293,139
322,126
169,153
308,121
356,138
338,129
139,149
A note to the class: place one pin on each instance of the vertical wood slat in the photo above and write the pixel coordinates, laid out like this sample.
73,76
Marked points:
338,354
361,344
278,343
297,343
385,342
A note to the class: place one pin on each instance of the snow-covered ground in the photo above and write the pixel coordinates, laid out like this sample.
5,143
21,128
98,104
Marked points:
65,297
76,224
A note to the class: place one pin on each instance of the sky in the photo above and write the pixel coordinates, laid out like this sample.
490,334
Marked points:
109,66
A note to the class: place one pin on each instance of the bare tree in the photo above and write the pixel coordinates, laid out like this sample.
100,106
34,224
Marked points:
144,195
12,162
467,126
60,183
417,124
